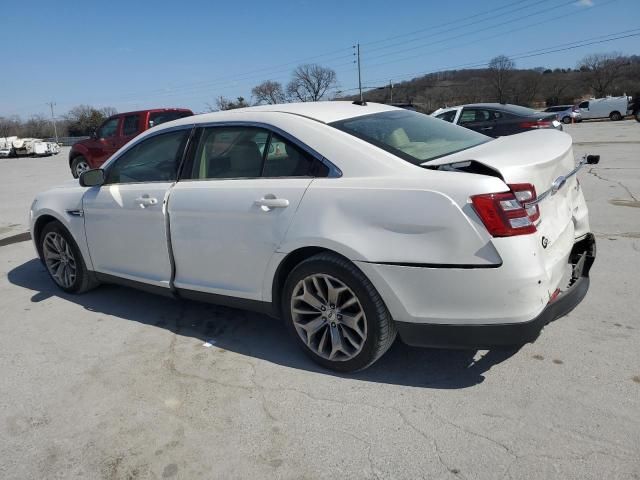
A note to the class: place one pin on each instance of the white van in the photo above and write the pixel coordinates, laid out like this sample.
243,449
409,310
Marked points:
616,108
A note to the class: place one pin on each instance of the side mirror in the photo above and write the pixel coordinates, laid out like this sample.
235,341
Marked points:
593,159
92,178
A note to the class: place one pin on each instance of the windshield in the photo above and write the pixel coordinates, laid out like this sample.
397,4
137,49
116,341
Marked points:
413,136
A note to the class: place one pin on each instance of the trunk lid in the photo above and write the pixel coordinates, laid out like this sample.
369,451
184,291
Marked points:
539,157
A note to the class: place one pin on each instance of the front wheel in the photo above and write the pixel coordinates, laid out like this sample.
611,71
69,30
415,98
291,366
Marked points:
79,165
335,313
63,260
637,116
566,120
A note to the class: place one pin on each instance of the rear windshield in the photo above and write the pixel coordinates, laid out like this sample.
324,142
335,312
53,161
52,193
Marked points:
518,110
157,118
413,136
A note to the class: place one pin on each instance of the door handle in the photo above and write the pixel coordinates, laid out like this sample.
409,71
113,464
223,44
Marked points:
145,201
270,201
486,128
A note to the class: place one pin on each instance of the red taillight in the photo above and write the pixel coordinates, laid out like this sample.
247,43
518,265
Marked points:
538,124
526,193
504,215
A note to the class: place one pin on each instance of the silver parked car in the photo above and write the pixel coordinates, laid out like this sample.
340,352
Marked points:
566,113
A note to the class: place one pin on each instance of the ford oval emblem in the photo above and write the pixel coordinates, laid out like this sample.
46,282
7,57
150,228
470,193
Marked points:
545,242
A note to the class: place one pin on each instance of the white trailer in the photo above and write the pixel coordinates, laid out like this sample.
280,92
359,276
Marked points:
614,108
14,147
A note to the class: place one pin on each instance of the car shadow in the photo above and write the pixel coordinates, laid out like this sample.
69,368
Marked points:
263,337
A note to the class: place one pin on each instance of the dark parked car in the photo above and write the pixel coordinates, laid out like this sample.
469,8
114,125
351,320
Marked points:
114,132
498,119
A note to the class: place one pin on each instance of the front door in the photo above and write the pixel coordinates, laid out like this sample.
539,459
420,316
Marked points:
105,144
232,208
125,219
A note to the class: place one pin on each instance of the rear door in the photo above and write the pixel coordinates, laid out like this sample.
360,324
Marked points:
232,207
478,119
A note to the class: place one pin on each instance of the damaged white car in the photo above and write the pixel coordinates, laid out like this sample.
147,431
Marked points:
354,223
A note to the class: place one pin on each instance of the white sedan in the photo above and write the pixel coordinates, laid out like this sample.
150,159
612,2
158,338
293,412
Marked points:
354,223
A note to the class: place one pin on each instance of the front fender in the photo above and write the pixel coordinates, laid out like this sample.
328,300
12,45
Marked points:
65,206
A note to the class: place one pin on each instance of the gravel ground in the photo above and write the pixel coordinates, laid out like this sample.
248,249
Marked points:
119,384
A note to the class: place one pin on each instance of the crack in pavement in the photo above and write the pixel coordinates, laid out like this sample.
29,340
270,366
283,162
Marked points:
597,175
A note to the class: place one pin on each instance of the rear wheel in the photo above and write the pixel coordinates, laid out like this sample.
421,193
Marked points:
637,115
79,165
615,116
335,313
63,260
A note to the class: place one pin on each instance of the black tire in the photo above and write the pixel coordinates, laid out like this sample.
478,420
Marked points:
566,120
84,279
637,116
615,116
381,329
74,165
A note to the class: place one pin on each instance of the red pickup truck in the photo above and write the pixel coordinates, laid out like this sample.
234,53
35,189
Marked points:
114,133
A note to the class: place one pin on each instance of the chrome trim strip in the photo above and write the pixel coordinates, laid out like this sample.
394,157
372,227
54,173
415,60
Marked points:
557,184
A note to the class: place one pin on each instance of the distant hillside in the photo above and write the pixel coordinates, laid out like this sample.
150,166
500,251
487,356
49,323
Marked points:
539,87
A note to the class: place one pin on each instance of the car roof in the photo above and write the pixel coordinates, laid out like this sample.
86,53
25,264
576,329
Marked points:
151,110
325,112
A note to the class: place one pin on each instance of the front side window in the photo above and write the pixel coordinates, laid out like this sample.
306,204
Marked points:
250,152
412,136
584,105
109,128
447,116
130,125
155,159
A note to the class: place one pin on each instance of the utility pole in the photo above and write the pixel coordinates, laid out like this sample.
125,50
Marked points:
390,92
53,120
357,53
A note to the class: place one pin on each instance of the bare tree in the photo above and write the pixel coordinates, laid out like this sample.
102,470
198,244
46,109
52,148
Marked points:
224,103
84,119
501,71
269,92
310,83
603,70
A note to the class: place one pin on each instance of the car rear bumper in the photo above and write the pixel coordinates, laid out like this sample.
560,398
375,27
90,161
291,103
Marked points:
485,336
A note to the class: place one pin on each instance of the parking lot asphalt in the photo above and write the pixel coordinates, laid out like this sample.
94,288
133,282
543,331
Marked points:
120,384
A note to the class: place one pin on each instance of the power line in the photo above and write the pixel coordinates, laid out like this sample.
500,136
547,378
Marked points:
528,54
499,34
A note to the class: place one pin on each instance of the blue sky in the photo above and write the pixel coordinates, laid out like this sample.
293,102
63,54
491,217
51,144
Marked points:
138,54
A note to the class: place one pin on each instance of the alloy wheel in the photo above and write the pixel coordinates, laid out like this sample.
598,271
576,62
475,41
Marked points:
328,317
59,259
81,167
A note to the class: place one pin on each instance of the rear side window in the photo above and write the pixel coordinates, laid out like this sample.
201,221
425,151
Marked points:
474,115
283,159
130,125
154,159
250,152
447,116
157,118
